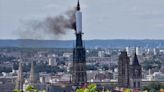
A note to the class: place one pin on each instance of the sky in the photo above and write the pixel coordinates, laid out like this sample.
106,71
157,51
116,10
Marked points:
102,19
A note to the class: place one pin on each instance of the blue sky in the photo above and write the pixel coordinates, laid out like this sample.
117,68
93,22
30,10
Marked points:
102,19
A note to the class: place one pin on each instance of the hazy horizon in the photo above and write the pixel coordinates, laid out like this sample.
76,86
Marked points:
106,19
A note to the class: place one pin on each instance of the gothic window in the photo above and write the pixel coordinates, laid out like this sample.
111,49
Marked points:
79,68
82,68
123,71
139,72
82,76
79,78
136,72
134,84
138,84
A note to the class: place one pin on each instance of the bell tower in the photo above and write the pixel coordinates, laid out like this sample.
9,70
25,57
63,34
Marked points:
135,73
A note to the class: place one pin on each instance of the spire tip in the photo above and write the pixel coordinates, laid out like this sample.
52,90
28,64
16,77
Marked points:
78,5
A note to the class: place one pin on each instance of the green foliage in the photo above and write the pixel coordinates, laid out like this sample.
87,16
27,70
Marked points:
91,67
153,87
16,90
44,91
112,84
6,58
31,89
162,86
41,67
5,69
90,88
15,66
107,91
149,64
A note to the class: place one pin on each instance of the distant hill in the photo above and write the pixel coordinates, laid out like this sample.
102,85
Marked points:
88,43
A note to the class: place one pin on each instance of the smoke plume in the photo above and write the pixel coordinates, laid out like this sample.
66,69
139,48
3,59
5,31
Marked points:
52,26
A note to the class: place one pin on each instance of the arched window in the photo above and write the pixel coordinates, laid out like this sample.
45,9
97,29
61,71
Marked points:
134,84
139,84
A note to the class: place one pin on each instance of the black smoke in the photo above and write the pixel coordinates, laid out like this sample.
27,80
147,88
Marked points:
53,26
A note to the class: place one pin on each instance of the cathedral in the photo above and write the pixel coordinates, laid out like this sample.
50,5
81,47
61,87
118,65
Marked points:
135,73
79,76
129,74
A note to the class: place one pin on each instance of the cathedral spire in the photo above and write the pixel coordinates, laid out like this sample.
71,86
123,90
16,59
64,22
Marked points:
135,60
33,75
19,82
78,15
78,6
79,76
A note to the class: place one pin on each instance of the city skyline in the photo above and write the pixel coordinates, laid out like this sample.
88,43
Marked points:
114,19
61,59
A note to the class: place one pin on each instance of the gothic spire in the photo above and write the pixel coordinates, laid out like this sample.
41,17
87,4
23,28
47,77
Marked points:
135,60
19,82
33,74
78,6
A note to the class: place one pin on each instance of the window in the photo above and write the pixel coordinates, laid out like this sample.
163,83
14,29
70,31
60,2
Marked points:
134,84
138,84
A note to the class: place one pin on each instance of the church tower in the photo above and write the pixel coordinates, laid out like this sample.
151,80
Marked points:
123,70
33,74
20,80
135,73
79,76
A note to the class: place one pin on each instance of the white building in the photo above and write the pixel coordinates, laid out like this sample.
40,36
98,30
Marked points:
67,55
139,51
52,61
101,53
158,76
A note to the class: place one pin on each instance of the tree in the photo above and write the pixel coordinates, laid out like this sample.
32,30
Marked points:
31,89
16,90
90,88
154,87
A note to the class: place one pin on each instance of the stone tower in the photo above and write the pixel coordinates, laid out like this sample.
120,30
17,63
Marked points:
33,75
79,76
135,73
123,70
20,80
